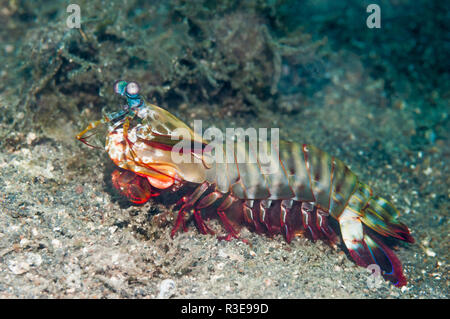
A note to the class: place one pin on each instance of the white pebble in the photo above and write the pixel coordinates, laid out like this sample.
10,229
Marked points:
24,242
18,267
9,48
220,266
34,259
56,243
166,289
30,138
430,253
112,229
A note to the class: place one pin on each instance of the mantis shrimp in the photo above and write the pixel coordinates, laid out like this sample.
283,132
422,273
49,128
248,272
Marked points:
309,191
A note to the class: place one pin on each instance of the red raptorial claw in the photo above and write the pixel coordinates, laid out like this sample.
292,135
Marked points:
136,188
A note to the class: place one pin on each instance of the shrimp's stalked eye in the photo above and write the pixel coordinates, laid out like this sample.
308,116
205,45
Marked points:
120,87
132,89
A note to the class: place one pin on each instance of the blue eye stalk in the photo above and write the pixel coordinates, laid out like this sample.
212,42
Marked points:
130,91
134,101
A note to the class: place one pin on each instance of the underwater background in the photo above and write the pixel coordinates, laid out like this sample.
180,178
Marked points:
376,98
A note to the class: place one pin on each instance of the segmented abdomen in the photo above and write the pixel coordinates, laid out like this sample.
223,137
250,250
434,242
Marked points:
293,172
287,190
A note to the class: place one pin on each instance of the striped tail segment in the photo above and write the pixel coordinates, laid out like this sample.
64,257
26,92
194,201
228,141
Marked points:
364,221
381,216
